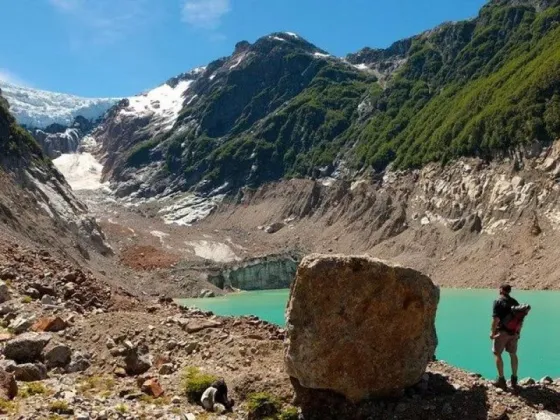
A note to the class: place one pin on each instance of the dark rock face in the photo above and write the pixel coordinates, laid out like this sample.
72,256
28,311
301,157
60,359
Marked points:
359,327
27,347
29,372
57,139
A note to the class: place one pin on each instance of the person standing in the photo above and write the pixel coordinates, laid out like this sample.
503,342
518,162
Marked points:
504,338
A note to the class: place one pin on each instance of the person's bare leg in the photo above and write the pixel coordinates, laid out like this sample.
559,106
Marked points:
514,364
499,364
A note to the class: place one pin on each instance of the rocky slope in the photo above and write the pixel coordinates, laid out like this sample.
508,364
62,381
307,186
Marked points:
36,201
55,341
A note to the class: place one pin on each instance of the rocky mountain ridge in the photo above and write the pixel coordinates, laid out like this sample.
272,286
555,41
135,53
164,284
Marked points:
283,108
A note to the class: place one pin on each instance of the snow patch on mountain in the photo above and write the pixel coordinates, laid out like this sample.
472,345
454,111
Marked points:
164,102
40,108
81,170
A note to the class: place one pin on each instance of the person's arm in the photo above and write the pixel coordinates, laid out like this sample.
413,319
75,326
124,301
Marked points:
494,327
495,320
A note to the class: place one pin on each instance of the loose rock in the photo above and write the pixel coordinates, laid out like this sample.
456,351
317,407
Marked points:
57,355
30,372
27,347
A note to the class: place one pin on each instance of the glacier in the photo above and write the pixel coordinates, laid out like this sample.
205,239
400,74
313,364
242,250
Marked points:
36,108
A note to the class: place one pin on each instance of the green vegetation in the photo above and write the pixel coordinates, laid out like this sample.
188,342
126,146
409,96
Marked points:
15,141
263,406
33,388
289,413
195,383
100,385
60,407
121,408
26,299
475,88
7,407
499,91
161,401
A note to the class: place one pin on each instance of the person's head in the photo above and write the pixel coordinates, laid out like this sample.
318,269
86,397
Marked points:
505,290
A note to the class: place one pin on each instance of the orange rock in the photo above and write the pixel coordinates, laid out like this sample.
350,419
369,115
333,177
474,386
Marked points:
51,324
161,360
153,388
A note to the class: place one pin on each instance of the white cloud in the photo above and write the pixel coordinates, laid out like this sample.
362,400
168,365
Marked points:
103,22
9,77
205,14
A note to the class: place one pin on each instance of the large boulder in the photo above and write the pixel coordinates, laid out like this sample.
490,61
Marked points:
27,347
359,327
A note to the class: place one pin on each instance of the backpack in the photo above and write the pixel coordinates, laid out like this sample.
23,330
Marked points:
514,320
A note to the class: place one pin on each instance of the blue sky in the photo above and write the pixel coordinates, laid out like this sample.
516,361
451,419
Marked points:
122,47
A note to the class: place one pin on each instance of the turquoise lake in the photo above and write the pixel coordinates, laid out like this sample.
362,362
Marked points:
463,326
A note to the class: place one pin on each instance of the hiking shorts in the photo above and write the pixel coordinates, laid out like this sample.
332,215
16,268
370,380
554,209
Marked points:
505,341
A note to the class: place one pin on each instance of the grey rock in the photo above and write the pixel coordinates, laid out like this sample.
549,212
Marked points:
527,382
166,369
57,355
190,416
547,380
110,343
32,293
47,300
547,415
191,347
4,292
22,323
8,308
29,372
275,227
27,347
79,363
8,274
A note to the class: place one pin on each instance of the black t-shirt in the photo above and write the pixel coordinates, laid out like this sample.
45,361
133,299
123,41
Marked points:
502,308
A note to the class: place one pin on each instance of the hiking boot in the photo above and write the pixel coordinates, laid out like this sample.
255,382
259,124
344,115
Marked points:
500,383
514,382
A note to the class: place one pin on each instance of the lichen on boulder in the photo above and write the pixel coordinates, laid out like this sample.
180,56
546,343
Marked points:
359,327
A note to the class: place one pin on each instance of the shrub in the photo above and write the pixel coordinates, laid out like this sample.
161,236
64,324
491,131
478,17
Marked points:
195,383
121,408
26,299
262,406
7,407
33,388
102,384
289,413
60,407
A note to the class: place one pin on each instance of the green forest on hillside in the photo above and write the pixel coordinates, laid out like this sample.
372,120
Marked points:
500,90
473,88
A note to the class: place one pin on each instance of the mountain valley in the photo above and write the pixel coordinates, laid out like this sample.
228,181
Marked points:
440,153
